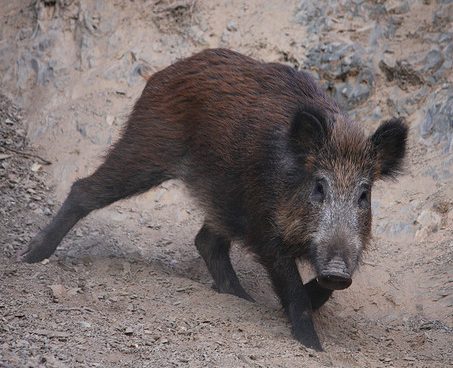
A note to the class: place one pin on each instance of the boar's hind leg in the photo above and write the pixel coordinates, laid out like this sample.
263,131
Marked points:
215,251
120,176
317,294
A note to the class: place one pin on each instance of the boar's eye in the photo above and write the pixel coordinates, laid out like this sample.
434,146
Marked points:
319,192
364,199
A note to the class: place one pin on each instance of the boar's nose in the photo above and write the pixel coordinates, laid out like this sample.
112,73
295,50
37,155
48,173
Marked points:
335,275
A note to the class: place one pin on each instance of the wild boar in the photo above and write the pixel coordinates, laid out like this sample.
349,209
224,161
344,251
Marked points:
273,162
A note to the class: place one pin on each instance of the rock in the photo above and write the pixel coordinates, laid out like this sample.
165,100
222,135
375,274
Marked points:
402,72
429,222
45,72
437,123
320,17
392,25
397,107
174,16
397,7
375,36
36,167
128,331
85,324
433,61
58,291
140,70
51,333
110,120
311,14
409,359
346,69
443,16
231,26
447,65
376,114
413,101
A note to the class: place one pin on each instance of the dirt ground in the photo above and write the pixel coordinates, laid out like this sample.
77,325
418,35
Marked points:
127,287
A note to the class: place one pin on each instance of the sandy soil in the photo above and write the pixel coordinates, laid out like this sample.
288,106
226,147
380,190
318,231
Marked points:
127,287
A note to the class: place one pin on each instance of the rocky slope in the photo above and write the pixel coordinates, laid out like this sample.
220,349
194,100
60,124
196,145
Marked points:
127,287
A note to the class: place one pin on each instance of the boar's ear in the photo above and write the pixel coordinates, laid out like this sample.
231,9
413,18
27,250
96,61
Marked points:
308,130
389,147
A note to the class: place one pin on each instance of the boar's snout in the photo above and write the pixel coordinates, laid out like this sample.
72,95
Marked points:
335,275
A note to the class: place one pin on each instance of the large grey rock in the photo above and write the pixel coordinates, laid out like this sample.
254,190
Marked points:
437,124
443,17
346,70
433,61
401,71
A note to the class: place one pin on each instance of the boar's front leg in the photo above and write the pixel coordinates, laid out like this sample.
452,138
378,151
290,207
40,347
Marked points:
317,294
215,250
296,302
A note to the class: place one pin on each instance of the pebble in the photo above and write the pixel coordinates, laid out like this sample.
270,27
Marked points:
85,324
231,26
429,222
110,120
4,156
58,290
36,167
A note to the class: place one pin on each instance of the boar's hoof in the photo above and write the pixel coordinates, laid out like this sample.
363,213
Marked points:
36,251
310,340
334,281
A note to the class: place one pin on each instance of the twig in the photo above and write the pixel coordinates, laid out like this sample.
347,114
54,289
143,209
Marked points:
369,264
70,309
27,154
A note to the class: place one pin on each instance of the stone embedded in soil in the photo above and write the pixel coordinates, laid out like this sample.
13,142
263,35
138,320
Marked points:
4,156
437,124
321,16
443,16
231,26
85,324
58,291
433,61
397,7
402,72
429,222
347,70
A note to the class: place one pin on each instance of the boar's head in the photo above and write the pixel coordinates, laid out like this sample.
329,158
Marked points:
325,214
